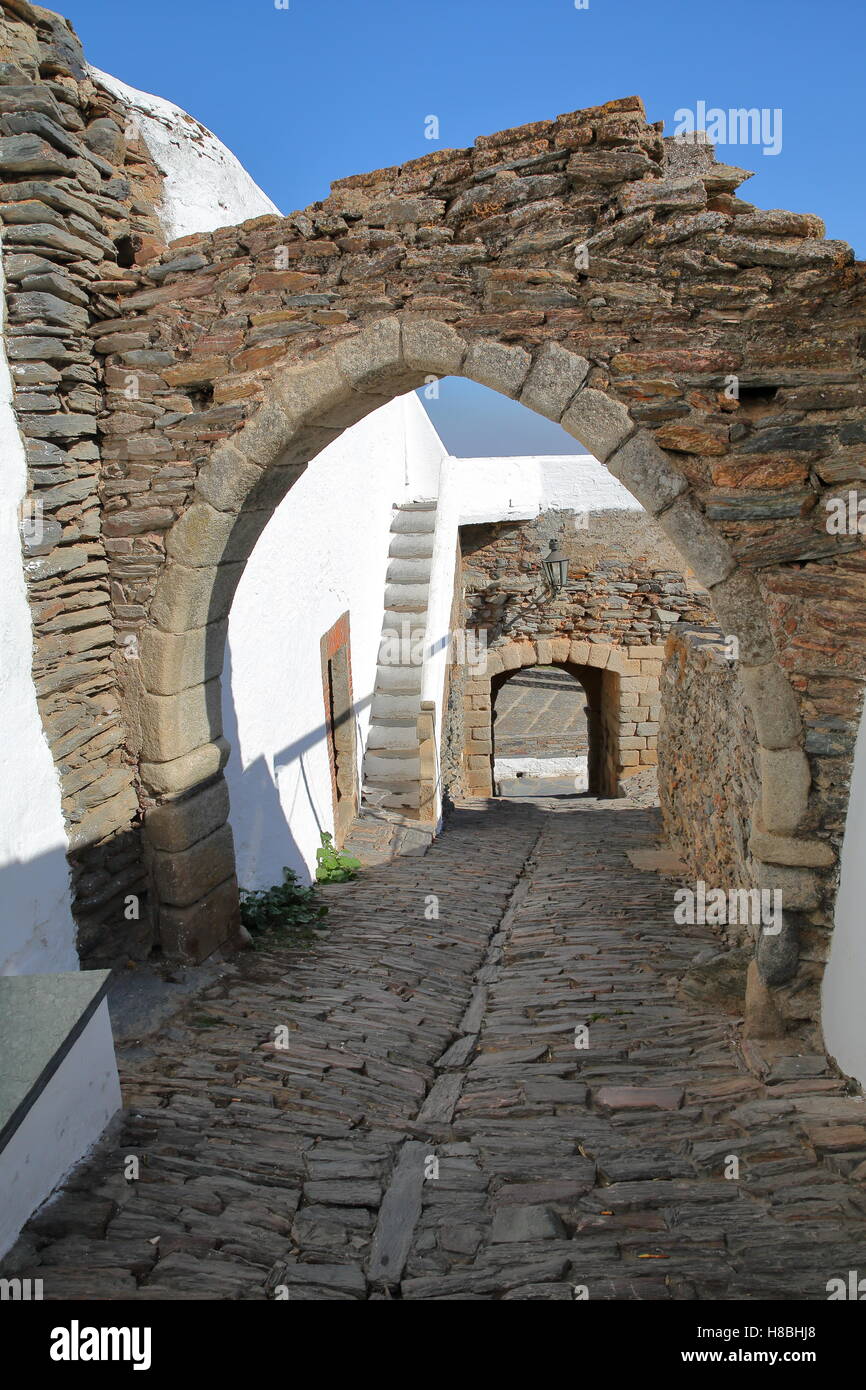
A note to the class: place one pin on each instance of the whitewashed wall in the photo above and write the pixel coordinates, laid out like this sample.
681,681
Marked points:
37,933
518,488
844,988
323,553
205,185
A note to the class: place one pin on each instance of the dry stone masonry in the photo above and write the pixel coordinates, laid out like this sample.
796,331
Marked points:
625,580
602,275
622,597
622,689
76,199
708,786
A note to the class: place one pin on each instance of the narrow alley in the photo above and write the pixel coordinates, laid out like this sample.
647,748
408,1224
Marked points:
508,1100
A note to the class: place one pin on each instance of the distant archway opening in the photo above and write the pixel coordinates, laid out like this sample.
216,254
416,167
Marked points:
596,710
600,687
540,733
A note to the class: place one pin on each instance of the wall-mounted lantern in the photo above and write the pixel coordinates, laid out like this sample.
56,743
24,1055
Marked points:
556,567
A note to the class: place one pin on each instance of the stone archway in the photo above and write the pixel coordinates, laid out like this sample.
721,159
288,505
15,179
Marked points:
236,491
604,671
710,353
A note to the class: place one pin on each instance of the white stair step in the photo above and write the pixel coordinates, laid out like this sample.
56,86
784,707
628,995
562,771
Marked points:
381,768
396,707
414,522
401,799
418,504
402,651
400,646
390,799
409,571
408,598
403,623
394,680
375,797
396,738
411,547
389,661
399,738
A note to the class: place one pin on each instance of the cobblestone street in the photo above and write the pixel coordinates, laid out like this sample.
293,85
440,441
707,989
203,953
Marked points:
540,713
432,1130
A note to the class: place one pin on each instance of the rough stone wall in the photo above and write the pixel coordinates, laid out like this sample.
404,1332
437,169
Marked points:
626,588
76,203
708,787
453,737
712,808
626,583
622,751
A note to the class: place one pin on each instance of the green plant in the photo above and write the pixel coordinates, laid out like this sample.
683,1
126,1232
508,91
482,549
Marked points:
287,907
332,865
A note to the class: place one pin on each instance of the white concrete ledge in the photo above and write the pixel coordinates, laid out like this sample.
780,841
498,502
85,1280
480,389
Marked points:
58,1085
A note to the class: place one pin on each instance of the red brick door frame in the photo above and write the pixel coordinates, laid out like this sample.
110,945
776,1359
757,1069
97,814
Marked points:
339,705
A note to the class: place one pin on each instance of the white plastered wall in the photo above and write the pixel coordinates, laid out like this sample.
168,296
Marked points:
65,1122
519,488
206,186
844,986
324,553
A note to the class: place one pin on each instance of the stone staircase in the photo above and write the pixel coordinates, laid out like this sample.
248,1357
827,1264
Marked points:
392,760
380,837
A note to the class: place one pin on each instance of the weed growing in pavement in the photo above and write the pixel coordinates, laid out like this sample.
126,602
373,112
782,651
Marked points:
289,909
332,865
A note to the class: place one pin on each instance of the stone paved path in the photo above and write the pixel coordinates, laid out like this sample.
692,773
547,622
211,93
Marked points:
433,1132
540,712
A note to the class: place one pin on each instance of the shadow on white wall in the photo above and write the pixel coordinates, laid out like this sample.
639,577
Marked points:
844,988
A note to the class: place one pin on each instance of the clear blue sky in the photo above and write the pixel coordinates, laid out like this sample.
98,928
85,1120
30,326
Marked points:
328,88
